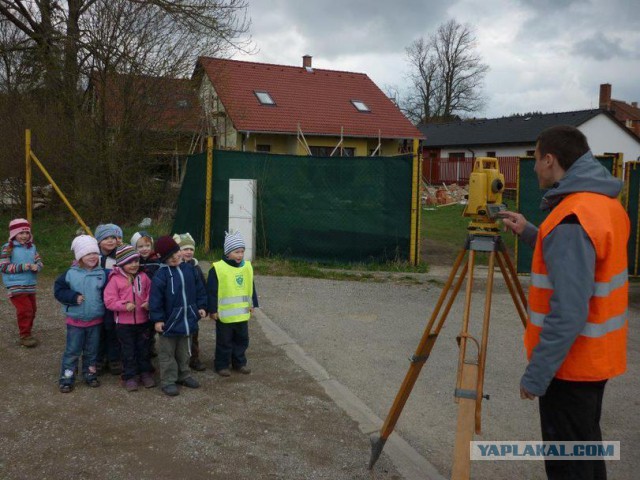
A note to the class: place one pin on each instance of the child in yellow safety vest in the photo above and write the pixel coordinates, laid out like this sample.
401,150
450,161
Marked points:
232,298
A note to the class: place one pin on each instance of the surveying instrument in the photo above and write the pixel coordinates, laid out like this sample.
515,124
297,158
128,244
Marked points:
484,204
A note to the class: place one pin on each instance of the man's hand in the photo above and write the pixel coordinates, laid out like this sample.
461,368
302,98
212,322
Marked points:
525,394
80,299
159,326
214,316
513,221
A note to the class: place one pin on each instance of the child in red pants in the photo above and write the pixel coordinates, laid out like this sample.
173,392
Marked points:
19,264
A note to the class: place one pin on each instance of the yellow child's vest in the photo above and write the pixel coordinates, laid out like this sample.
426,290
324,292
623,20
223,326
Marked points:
235,289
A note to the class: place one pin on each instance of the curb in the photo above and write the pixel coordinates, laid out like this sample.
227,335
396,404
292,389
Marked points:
410,464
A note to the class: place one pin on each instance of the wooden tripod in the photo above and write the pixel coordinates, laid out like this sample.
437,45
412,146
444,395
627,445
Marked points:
470,378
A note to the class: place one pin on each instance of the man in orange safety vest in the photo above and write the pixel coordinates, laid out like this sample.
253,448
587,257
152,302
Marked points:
576,335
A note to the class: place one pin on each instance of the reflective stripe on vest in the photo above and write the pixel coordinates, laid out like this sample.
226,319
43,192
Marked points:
592,330
599,351
235,288
602,289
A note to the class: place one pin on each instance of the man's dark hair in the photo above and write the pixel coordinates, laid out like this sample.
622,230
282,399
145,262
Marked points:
565,142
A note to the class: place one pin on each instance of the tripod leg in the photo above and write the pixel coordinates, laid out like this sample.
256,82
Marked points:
423,351
464,430
514,276
482,354
465,320
518,301
466,388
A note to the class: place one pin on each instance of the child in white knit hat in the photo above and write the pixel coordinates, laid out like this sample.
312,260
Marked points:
232,298
79,290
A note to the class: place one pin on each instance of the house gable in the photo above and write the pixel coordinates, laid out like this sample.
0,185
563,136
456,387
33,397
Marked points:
314,101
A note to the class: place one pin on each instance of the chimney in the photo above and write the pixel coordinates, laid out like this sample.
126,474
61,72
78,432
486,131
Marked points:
306,61
605,96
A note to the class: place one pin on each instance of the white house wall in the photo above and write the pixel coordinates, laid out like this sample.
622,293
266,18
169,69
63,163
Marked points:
605,135
227,135
501,151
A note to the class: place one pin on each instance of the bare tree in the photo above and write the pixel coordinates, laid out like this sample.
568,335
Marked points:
446,74
425,99
55,54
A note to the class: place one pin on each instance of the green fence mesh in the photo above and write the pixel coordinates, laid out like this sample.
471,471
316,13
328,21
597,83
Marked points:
317,208
633,209
529,196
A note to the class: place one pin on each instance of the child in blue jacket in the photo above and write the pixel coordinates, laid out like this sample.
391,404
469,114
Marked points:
177,303
79,290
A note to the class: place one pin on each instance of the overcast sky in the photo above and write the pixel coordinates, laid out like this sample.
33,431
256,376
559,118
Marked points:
543,55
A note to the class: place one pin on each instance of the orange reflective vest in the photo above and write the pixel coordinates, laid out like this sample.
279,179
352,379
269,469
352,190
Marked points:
600,351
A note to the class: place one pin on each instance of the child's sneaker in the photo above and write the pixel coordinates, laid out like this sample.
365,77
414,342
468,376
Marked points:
147,380
131,385
171,390
189,382
65,388
93,382
197,365
28,341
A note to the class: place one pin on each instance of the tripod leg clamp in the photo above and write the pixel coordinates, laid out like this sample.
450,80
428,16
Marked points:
418,358
470,394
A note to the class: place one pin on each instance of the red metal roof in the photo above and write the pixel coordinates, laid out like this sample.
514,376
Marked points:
319,100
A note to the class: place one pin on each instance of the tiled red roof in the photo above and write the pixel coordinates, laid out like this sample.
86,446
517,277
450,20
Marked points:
160,104
320,100
624,111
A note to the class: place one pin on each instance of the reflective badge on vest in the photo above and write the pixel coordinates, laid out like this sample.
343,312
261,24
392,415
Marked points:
239,280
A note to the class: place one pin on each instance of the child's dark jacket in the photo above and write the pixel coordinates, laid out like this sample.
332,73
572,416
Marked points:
177,293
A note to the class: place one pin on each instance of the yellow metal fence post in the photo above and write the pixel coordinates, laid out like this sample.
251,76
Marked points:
414,241
207,209
59,192
29,190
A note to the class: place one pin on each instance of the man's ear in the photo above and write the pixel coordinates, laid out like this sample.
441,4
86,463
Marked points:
549,159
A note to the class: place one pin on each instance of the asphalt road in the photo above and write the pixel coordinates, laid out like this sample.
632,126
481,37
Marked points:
363,333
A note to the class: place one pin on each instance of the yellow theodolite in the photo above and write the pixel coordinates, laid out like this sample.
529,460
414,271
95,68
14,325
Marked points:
484,201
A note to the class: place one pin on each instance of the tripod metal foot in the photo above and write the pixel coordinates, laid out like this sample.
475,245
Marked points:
377,444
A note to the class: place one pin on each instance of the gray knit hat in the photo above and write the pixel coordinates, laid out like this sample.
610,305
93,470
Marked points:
233,241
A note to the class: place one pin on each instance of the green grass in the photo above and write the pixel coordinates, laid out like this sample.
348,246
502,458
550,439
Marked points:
445,226
446,230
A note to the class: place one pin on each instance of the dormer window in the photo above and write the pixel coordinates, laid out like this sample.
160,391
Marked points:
360,106
264,98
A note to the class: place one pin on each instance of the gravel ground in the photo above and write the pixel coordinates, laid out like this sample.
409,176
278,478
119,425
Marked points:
276,423
363,333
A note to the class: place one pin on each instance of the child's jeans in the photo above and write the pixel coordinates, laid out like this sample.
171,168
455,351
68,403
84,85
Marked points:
232,341
80,341
135,341
173,359
25,304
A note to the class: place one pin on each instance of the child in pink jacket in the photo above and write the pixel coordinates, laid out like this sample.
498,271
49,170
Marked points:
127,296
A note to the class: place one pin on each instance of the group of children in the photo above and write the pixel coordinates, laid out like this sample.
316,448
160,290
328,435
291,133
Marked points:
116,297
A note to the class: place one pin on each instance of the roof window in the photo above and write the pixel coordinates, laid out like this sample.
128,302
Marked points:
360,106
264,98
